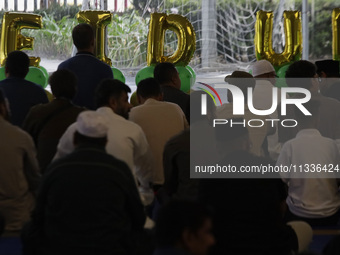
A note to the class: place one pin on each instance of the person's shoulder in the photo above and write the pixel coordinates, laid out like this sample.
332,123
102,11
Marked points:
97,158
39,109
15,131
126,126
181,139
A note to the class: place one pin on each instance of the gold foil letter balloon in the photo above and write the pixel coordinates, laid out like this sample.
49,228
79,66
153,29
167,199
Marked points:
98,20
336,33
186,39
263,37
12,40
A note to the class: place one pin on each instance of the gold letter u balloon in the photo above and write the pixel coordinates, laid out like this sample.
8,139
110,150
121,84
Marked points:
263,37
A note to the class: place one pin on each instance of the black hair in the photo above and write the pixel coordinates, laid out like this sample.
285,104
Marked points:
63,84
17,64
176,216
108,88
82,35
148,88
300,69
164,72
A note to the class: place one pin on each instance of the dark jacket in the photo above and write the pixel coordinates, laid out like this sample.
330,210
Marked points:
88,203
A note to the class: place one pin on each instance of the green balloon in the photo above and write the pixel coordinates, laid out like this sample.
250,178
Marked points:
46,75
37,76
281,82
193,73
133,99
144,73
2,73
187,78
118,75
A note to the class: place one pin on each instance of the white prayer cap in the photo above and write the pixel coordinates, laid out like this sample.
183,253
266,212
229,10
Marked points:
92,124
261,67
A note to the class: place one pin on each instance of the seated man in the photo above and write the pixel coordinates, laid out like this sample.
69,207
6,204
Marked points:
313,195
257,135
19,173
329,124
183,227
126,140
249,211
159,120
88,202
21,94
167,76
46,123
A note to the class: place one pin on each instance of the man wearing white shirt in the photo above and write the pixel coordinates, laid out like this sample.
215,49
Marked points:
313,194
126,140
159,120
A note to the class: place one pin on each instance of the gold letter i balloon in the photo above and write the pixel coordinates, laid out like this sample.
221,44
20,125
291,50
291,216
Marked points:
12,39
186,39
293,38
98,20
336,33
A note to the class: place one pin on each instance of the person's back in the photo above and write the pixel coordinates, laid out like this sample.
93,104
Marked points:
302,74
21,94
19,174
46,123
159,120
126,140
88,69
88,202
176,163
168,77
248,211
313,195
257,134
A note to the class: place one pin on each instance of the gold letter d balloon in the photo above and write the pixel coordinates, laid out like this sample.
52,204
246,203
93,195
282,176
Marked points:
186,39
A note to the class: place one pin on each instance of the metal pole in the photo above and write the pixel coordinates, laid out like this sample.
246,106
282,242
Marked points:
209,41
305,35
85,5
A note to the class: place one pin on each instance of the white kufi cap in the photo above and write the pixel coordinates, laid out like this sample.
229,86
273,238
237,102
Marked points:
92,124
261,67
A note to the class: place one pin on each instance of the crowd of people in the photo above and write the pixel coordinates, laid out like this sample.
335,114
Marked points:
87,173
